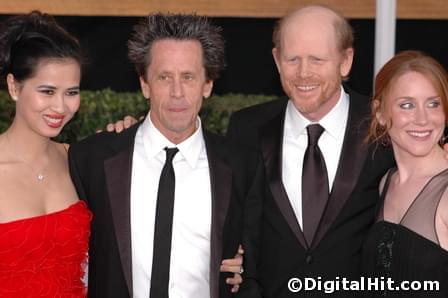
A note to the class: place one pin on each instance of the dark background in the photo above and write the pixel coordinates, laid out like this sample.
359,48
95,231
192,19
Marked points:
250,67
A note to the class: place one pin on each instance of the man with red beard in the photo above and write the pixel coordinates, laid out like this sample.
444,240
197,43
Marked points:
322,180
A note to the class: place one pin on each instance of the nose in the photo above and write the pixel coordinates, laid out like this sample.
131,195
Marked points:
58,103
303,69
177,89
421,116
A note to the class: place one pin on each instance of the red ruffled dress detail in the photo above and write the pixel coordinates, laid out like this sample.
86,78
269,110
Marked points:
45,256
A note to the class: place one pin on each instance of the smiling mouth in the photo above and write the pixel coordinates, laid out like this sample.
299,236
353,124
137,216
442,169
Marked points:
419,134
54,121
306,88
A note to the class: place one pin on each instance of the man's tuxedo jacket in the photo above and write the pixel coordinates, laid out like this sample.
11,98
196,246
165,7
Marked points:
275,246
100,167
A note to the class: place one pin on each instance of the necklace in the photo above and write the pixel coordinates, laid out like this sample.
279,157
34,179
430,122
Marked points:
40,174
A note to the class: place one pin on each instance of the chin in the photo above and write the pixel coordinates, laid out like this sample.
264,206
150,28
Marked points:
420,152
309,107
53,133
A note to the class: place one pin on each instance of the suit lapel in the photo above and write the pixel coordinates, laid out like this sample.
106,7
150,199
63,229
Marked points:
350,164
271,135
221,188
118,171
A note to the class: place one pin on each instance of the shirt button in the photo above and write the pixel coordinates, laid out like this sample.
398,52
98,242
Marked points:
309,259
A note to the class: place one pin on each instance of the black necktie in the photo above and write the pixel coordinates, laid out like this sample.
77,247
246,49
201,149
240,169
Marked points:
314,184
163,227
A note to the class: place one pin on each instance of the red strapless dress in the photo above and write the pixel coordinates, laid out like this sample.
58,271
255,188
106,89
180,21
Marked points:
45,256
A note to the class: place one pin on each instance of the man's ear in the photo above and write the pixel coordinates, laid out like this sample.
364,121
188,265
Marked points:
144,87
13,86
347,62
207,89
276,55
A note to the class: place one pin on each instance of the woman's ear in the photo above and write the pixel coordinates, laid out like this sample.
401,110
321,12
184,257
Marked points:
379,114
13,87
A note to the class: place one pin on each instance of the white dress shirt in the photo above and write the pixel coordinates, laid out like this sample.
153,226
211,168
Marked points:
295,141
190,246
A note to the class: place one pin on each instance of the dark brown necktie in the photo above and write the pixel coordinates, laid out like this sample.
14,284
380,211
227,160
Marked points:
163,227
314,184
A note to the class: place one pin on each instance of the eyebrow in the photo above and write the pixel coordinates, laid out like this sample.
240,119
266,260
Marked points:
318,57
413,98
46,87
54,88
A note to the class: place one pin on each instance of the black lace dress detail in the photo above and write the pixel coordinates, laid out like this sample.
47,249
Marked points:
409,250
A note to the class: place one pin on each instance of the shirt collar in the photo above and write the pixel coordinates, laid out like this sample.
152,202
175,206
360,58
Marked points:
190,149
333,123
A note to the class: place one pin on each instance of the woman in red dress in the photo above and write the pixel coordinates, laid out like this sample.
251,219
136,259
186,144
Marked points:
44,227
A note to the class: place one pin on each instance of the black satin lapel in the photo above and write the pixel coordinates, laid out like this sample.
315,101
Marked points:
352,159
118,179
271,147
221,188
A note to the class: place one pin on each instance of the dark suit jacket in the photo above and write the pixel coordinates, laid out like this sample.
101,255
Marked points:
101,171
275,246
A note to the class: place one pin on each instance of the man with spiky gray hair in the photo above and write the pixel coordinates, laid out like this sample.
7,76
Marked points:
167,195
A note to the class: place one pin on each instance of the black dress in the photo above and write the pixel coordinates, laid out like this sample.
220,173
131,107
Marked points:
409,250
